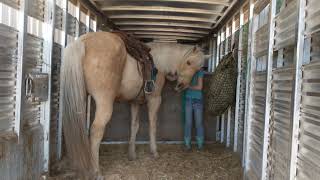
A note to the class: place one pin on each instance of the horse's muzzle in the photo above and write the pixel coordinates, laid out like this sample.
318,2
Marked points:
172,76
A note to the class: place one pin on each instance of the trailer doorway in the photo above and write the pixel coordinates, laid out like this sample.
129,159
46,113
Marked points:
167,22
271,132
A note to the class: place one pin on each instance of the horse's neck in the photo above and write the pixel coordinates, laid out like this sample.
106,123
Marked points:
168,56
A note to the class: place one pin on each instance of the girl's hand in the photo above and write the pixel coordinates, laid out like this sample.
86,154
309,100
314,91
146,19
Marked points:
199,85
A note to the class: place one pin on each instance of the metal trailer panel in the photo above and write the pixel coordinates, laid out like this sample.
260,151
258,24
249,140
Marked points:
286,26
282,107
226,127
12,3
242,89
249,85
83,27
231,111
71,25
308,153
261,41
309,143
226,117
301,51
258,101
237,23
33,64
312,17
26,158
23,159
59,42
92,22
8,71
59,14
257,124
269,17
281,123
231,116
64,4
258,94
37,9
55,98
59,25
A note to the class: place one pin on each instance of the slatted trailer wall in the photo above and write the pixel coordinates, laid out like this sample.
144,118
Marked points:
281,91
307,154
254,89
230,126
9,60
27,32
259,78
241,82
32,37
280,128
72,19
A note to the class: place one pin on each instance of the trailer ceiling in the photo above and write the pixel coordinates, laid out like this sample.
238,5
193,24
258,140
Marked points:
165,20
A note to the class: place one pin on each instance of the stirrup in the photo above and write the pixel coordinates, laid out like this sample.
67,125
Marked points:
149,86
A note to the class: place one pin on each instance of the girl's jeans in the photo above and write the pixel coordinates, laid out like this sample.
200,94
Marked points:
194,107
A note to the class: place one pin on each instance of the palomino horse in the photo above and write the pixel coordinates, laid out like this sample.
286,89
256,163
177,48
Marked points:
98,64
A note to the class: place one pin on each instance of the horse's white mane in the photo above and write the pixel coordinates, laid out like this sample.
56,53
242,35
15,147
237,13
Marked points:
168,56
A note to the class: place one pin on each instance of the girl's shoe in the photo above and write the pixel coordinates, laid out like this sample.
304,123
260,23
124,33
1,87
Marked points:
200,143
187,144
200,147
187,148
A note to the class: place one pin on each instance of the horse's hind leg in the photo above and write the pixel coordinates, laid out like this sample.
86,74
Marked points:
134,129
102,117
153,107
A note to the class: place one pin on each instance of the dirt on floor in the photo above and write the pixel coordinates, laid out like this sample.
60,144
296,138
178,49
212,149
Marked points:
215,162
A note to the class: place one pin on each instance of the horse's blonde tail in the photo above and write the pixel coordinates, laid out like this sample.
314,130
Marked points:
74,107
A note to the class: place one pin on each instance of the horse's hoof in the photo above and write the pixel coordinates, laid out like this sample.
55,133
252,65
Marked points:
132,156
155,155
100,177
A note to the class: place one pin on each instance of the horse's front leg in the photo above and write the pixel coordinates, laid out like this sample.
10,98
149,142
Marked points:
102,117
134,129
153,107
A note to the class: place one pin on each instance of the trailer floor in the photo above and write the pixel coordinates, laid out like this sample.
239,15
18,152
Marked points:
215,162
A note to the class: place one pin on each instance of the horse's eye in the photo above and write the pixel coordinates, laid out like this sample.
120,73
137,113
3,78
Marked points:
189,63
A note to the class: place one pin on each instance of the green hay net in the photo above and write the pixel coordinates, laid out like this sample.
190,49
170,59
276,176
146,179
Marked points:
221,87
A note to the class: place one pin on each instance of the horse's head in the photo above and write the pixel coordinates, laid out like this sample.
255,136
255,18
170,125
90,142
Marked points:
192,62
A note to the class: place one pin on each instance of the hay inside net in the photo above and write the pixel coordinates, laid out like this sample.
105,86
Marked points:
222,86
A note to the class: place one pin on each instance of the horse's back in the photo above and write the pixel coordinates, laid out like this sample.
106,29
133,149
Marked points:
103,63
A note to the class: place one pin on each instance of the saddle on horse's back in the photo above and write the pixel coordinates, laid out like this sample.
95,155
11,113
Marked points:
139,51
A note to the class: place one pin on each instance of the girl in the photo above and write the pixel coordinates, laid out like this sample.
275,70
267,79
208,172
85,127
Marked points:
194,106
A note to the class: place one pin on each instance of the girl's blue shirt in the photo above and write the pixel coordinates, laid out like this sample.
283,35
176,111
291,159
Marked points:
195,94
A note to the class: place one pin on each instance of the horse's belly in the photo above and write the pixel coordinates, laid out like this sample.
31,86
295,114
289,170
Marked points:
131,82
